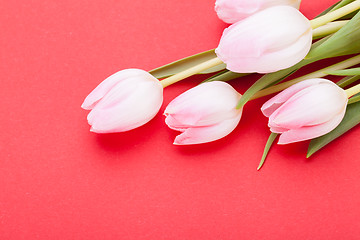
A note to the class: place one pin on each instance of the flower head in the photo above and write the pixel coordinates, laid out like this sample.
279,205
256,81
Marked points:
123,101
231,11
270,40
306,110
204,113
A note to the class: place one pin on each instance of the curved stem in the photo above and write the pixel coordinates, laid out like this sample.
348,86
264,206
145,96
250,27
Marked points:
320,73
338,13
328,28
352,91
191,71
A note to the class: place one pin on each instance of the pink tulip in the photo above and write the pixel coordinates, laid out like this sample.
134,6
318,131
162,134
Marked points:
231,11
204,113
306,110
270,40
123,101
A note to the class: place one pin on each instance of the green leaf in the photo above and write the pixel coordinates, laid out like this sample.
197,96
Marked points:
185,63
225,76
346,41
350,120
345,72
268,145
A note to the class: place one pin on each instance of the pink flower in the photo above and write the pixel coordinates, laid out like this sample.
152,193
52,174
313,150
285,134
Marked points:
123,101
273,39
306,110
231,11
204,113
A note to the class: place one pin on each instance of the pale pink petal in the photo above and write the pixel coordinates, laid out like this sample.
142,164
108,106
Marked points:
231,11
270,40
276,129
205,104
310,132
134,110
311,106
206,134
286,57
275,102
172,123
105,86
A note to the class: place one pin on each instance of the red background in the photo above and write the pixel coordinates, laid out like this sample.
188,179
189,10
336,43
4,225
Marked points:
60,181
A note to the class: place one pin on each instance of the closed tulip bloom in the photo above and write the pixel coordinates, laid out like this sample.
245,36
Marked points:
231,11
204,113
123,101
306,110
270,40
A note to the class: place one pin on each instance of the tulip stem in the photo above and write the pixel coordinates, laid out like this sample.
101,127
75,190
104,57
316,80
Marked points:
338,13
353,90
328,28
191,71
320,73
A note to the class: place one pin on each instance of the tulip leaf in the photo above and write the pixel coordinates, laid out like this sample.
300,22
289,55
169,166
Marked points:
350,120
345,41
268,145
225,76
346,72
185,63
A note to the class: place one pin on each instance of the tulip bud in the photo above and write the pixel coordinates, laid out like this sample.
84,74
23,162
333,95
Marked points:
273,39
124,101
306,110
231,11
204,113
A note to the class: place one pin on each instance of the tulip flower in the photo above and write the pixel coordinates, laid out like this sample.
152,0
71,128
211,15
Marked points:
231,11
270,40
306,110
123,101
204,113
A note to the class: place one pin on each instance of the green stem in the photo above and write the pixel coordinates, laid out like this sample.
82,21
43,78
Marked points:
328,28
191,71
320,73
353,90
331,16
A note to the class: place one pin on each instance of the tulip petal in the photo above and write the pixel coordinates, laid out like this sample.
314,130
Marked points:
311,106
205,104
172,123
119,114
105,86
270,40
231,11
206,134
274,103
310,132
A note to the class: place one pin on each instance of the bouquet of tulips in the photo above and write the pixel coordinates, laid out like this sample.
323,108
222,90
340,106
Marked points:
270,37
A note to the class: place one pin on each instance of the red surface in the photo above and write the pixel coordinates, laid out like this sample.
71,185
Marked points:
60,181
